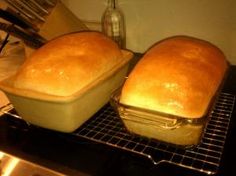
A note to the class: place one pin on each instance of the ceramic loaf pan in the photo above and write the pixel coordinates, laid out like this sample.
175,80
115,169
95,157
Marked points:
66,113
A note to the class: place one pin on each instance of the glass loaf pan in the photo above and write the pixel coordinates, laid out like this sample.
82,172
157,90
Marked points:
67,113
166,128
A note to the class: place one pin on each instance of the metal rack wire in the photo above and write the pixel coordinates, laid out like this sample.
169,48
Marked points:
107,128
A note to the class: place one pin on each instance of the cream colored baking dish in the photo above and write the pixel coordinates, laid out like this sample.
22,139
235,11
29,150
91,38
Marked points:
66,114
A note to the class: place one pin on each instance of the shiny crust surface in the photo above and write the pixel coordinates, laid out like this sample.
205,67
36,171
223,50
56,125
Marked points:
68,63
178,76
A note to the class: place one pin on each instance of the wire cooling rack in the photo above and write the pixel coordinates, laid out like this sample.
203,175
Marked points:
107,128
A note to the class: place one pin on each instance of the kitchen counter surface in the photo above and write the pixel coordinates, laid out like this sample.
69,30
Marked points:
79,156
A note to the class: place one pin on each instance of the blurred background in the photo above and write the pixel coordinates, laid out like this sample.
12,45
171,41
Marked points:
148,21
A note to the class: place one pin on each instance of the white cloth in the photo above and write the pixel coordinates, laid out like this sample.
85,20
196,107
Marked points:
10,60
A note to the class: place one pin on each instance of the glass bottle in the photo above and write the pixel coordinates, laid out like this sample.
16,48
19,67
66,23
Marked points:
113,24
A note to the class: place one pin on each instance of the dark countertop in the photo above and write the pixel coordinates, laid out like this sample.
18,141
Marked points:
83,157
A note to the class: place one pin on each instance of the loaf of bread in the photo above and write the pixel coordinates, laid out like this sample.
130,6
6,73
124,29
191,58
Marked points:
178,76
68,63
172,88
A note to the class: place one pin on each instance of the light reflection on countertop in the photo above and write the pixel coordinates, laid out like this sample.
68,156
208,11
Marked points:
13,166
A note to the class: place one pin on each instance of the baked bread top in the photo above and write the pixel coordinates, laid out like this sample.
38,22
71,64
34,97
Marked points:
68,63
178,76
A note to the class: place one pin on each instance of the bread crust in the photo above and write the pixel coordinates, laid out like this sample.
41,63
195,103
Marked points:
68,63
178,76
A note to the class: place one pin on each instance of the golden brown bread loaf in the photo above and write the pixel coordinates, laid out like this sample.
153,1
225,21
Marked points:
68,63
178,76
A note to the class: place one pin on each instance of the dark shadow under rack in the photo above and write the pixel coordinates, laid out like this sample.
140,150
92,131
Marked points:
107,128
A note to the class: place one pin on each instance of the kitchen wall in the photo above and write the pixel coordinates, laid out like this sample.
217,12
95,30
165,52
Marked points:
148,21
